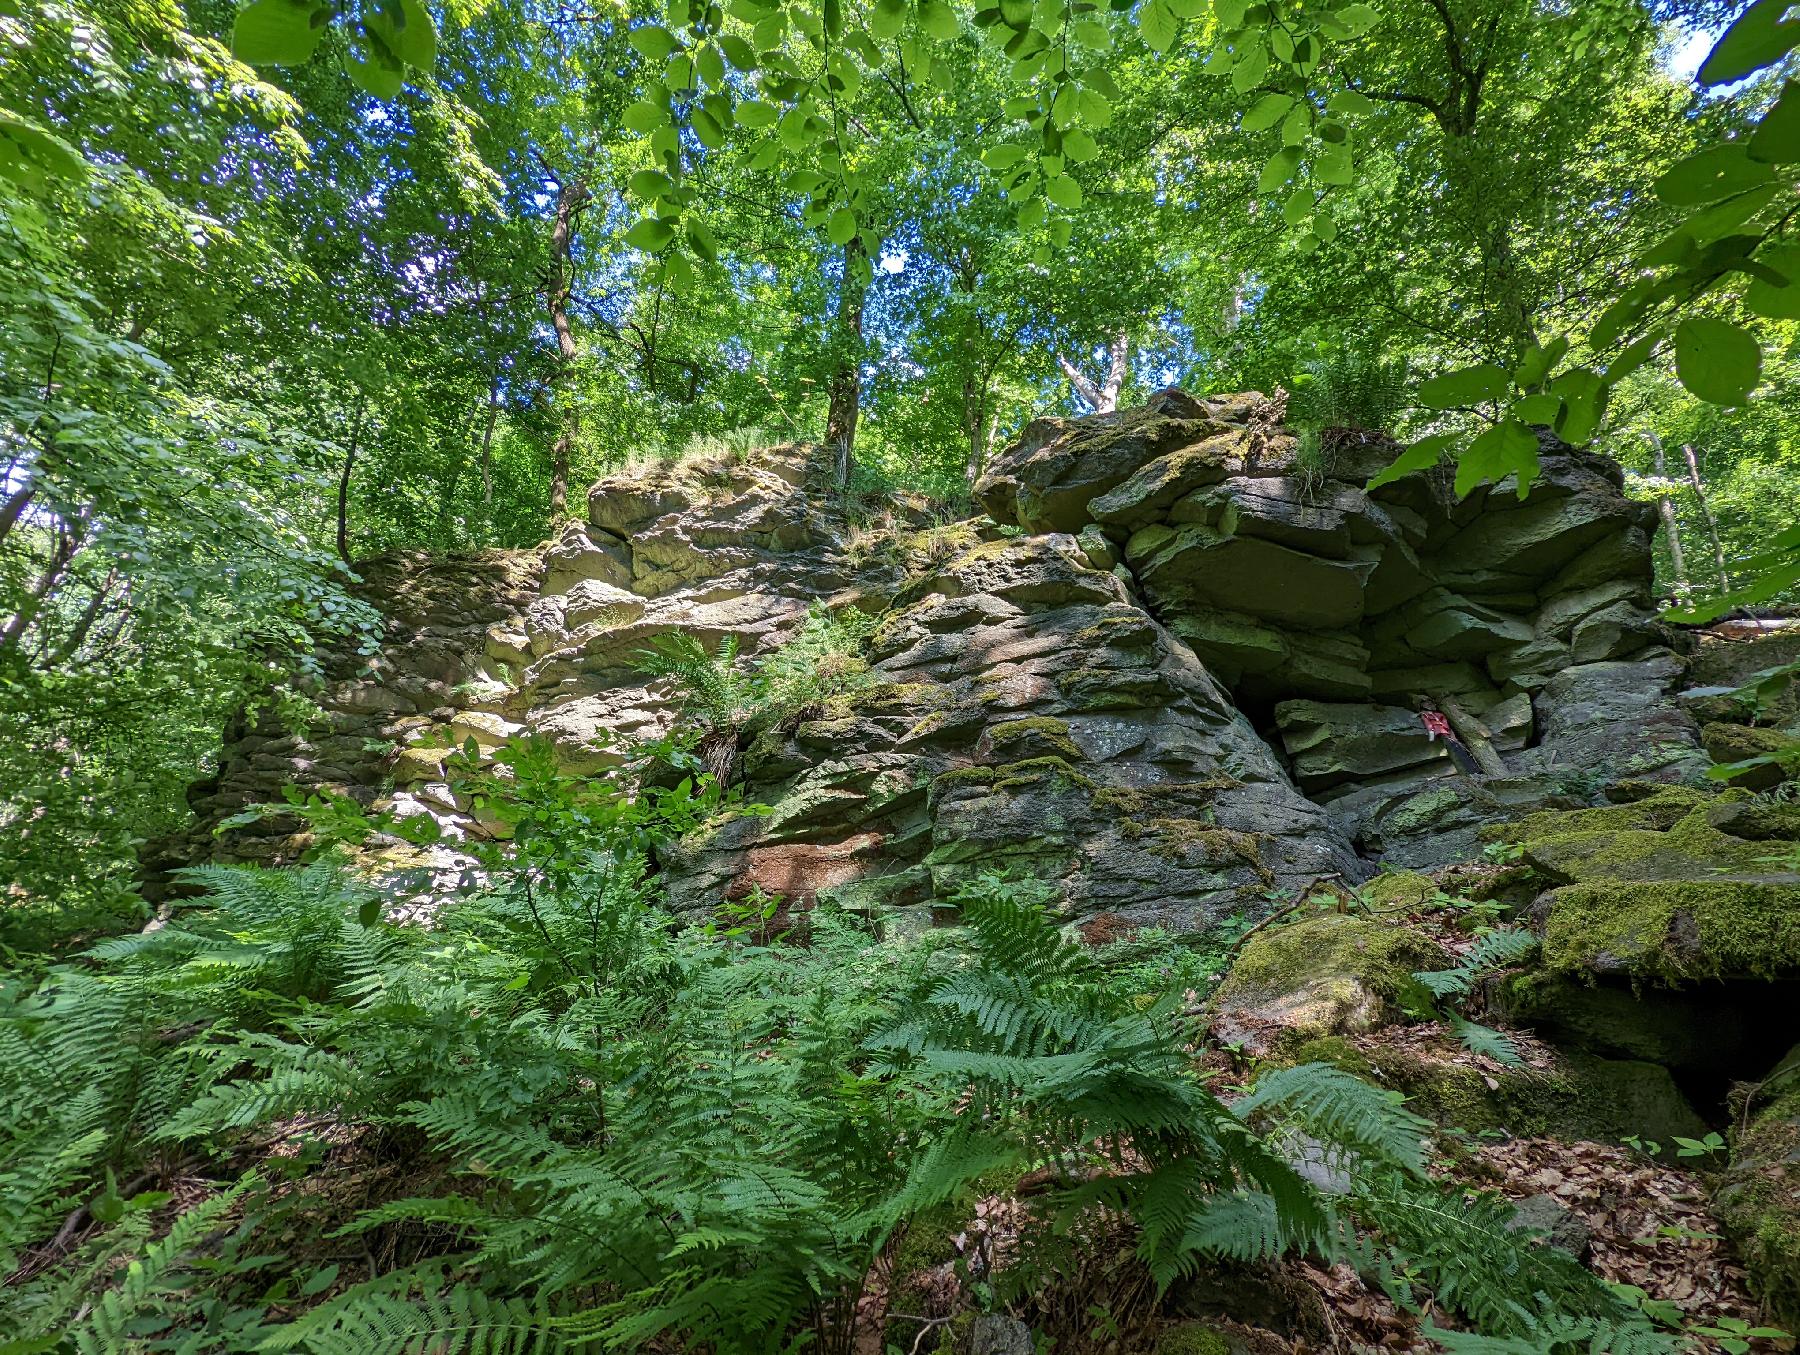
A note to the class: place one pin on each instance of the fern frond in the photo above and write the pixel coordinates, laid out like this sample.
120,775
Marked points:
1485,1040
1341,1109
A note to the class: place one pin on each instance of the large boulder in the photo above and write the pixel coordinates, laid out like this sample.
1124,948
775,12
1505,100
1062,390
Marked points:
1334,974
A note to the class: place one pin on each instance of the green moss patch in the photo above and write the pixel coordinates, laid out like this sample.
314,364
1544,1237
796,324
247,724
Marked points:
1675,930
1042,734
1759,1206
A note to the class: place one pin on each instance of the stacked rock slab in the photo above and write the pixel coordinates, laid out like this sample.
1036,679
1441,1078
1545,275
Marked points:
1337,609
1074,695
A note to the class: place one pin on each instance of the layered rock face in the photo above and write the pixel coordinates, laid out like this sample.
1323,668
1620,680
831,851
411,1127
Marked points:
1178,679
1337,609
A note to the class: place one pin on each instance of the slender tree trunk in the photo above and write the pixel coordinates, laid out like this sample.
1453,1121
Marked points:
845,390
13,507
68,543
343,504
72,643
571,198
487,455
1102,398
1706,515
1665,505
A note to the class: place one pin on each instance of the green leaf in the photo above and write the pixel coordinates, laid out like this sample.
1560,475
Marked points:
1469,386
1714,173
1033,215
1093,34
653,42
1583,395
1360,18
700,240
1350,103
1158,24
755,114
1541,408
1539,361
1716,361
738,52
1508,448
30,153
1279,169
1298,206
841,229
1230,13
651,184
1063,191
372,68
887,19
1759,36
650,234
1334,166
644,117
275,33
1266,112
1096,109
1764,297
1079,146
1252,66
1422,455
938,20
415,43
1631,359
1002,157
707,129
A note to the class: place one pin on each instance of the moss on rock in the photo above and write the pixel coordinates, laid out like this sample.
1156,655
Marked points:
1673,931
1759,1205
1327,975
1042,735
1191,1338
1396,891
1580,1096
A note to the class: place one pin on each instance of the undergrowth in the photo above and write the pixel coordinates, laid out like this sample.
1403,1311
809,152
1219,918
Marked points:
551,1118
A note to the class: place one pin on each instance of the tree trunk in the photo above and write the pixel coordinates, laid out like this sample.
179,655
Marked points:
845,390
68,544
487,456
1706,515
1103,398
13,507
1665,505
571,198
343,503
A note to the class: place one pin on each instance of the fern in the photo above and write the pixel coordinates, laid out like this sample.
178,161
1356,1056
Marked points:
1339,1109
1498,949
1487,1041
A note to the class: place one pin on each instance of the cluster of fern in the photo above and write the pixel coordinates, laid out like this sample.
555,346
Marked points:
818,666
549,1118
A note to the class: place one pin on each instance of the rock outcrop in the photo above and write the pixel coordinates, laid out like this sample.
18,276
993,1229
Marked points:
1176,675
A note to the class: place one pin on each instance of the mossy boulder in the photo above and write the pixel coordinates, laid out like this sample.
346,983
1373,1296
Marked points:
1398,891
1578,1096
1674,931
1672,835
1328,975
1759,1202
1732,743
